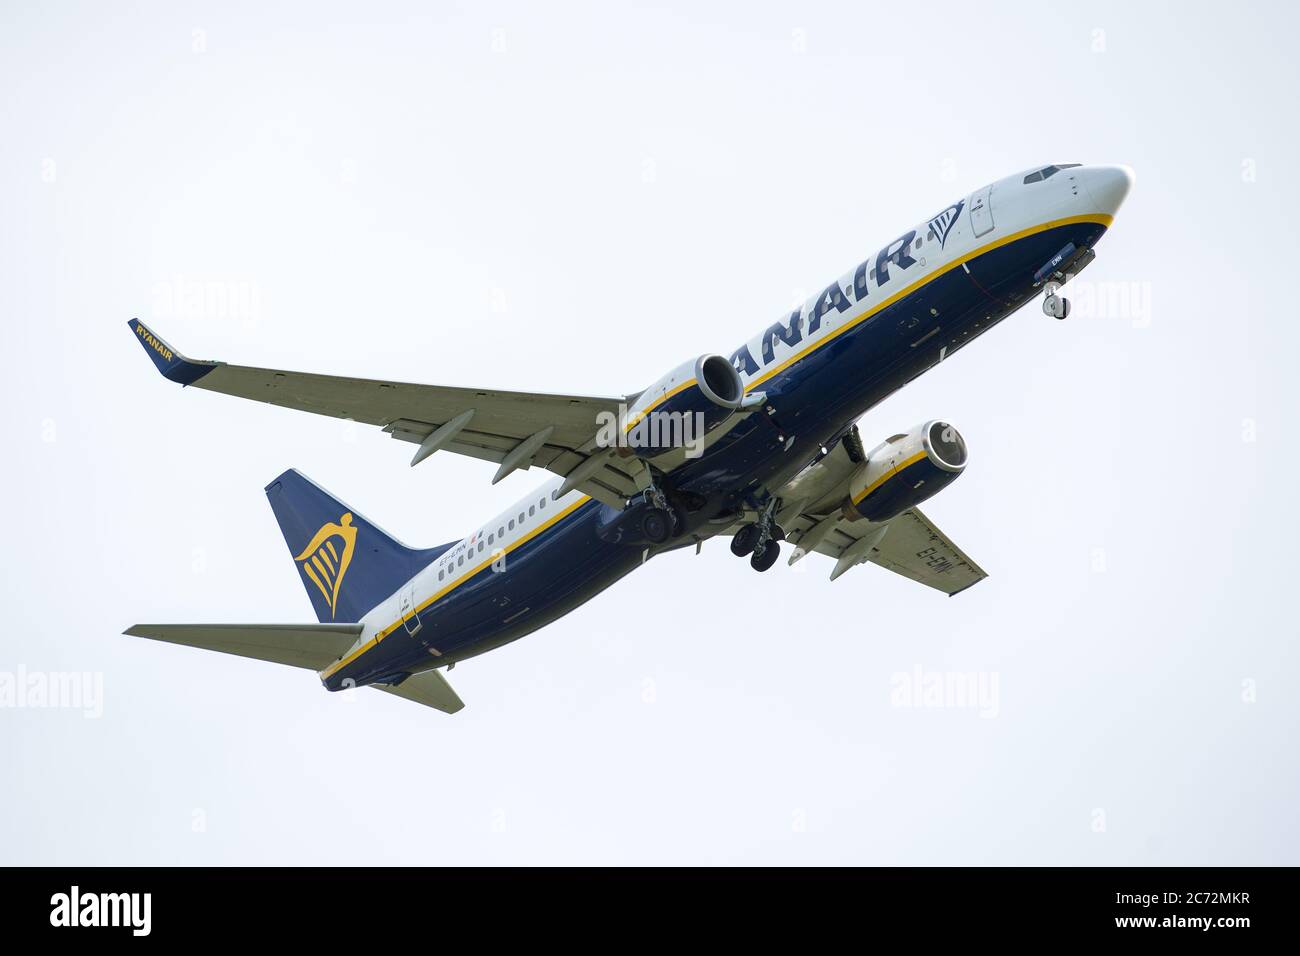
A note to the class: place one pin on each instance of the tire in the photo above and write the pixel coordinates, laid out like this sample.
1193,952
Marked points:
1058,307
743,541
656,525
763,561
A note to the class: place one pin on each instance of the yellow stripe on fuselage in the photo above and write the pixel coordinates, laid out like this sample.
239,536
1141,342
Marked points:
345,661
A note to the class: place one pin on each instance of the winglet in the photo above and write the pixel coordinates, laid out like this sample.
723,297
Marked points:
171,363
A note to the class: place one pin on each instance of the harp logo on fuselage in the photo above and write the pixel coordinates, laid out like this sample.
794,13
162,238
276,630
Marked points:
942,224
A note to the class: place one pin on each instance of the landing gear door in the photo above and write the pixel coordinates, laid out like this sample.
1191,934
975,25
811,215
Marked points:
410,619
981,212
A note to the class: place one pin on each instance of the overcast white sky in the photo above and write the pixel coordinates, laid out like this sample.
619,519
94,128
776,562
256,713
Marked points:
576,198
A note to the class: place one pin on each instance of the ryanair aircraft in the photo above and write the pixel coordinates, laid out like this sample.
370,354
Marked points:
760,446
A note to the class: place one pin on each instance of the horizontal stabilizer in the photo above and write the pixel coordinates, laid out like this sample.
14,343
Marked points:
429,688
314,646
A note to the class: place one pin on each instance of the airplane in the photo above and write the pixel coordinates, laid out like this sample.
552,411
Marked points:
761,447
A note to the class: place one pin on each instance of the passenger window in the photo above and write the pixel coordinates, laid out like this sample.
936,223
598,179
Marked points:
440,575
532,510
512,524
480,547
491,538
501,532
541,502
521,517
460,560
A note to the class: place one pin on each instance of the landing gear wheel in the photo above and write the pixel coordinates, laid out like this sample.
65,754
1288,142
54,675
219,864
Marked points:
744,540
1057,306
656,525
762,560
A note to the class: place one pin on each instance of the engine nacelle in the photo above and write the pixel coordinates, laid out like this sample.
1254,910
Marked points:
677,411
905,470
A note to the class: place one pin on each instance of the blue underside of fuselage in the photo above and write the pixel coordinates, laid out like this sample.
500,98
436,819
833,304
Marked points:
815,399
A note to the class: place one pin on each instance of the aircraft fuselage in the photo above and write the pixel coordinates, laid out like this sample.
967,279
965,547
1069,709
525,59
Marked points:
908,306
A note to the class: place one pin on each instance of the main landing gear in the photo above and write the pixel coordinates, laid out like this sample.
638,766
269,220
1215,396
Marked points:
658,522
1057,306
761,540
656,525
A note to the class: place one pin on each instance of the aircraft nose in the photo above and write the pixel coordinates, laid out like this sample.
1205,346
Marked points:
1108,185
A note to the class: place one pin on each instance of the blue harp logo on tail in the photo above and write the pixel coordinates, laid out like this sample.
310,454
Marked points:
326,558
941,225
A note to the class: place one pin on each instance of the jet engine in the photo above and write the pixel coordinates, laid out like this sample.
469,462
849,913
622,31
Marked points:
905,470
682,407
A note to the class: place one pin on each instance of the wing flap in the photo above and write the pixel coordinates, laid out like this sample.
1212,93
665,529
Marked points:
313,646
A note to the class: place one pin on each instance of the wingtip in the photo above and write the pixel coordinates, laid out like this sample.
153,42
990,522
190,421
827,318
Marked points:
171,363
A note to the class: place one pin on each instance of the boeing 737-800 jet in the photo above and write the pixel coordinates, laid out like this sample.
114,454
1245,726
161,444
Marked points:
761,446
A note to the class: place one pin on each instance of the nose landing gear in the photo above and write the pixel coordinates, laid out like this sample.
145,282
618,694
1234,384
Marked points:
1057,271
1057,306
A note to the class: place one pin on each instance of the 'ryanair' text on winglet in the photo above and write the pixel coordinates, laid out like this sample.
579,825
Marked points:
170,362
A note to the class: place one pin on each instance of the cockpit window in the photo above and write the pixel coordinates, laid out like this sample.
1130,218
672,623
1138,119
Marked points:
1047,172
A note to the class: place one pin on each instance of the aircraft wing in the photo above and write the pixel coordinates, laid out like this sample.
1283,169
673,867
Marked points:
513,429
911,546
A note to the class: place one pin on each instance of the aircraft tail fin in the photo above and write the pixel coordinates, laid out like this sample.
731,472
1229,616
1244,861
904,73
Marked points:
347,564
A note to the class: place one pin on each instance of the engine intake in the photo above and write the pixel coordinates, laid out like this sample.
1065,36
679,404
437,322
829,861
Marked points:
719,381
905,470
